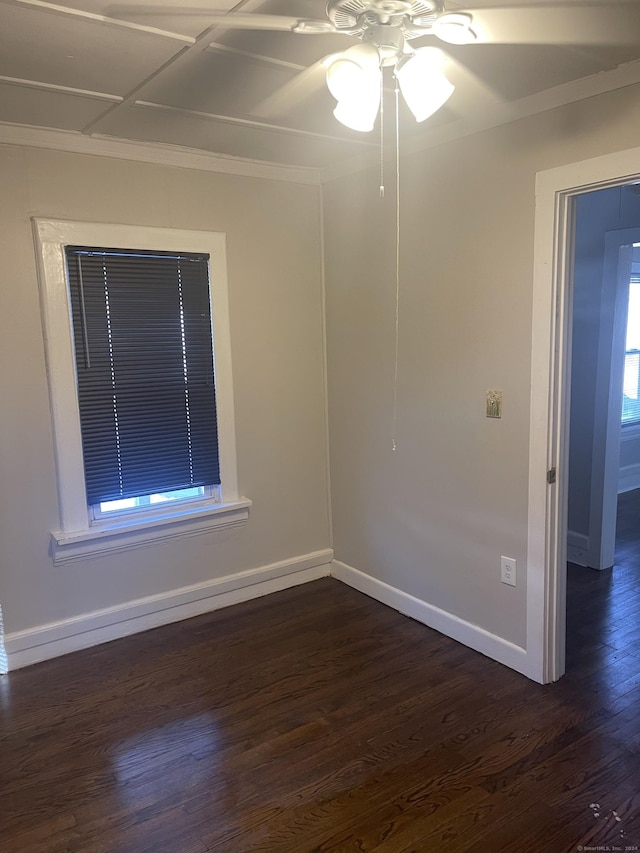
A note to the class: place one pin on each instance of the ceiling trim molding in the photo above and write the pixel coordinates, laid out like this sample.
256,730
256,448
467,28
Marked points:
154,153
502,113
252,124
197,45
259,58
55,9
55,87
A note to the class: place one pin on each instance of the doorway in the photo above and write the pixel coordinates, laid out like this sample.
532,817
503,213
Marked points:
557,192
603,543
607,225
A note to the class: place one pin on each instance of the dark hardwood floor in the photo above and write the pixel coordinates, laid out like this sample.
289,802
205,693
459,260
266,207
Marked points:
319,720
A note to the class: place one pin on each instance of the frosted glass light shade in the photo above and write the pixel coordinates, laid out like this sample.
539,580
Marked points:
353,70
353,79
358,113
423,83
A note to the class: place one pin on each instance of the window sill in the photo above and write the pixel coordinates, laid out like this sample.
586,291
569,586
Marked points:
122,534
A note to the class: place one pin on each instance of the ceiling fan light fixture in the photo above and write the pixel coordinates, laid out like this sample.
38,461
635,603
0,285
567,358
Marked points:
354,72
454,28
345,78
353,79
423,83
358,114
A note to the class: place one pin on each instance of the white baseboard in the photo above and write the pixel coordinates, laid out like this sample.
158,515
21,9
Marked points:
577,548
629,478
458,629
89,629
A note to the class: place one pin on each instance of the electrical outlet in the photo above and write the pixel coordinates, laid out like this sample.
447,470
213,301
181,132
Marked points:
508,570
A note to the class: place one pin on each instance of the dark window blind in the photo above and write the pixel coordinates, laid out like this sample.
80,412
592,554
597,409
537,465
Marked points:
144,361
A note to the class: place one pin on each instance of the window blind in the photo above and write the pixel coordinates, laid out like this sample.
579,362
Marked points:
144,363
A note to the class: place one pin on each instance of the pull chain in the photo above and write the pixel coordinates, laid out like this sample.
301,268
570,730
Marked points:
381,135
395,371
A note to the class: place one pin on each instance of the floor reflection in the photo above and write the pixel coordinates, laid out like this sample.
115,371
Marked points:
603,628
191,738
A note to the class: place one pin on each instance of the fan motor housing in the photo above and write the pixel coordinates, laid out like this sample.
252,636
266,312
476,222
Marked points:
388,40
357,16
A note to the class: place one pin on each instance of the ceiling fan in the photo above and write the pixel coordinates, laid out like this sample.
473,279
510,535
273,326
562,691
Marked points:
385,29
412,18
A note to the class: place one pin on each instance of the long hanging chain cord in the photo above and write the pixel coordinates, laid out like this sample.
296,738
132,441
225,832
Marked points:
381,134
395,369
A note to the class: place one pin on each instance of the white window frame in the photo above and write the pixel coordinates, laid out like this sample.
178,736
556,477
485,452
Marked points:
211,493
80,536
630,428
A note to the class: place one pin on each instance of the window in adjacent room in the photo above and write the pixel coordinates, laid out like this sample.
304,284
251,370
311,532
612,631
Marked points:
138,349
631,382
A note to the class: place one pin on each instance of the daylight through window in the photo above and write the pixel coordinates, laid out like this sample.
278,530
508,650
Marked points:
631,383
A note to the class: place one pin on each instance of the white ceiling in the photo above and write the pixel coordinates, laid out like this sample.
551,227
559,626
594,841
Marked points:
156,71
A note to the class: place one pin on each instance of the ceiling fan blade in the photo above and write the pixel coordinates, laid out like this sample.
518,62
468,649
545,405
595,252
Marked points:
613,23
296,90
276,23
231,21
471,90
454,28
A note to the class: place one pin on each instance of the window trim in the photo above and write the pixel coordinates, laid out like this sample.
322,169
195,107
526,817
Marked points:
76,523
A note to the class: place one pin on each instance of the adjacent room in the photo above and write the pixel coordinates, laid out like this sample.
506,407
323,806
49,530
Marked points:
314,377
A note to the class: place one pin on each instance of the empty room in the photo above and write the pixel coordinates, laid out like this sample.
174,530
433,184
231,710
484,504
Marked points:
319,361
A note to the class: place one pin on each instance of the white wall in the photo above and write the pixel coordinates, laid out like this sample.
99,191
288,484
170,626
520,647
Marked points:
433,518
274,263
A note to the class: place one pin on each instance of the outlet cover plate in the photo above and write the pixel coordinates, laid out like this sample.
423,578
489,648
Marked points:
508,570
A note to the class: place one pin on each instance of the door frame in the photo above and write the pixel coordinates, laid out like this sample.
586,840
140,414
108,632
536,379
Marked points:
556,190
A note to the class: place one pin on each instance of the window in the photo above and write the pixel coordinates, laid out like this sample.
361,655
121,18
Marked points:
631,382
144,369
138,353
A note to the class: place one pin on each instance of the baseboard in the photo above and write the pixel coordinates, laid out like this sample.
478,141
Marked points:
100,626
452,626
577,548
629,478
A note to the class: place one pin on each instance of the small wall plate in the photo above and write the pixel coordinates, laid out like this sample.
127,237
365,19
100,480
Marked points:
494,403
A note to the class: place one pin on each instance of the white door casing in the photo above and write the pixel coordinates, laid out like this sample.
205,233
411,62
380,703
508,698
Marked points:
549,415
